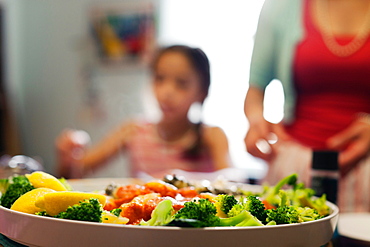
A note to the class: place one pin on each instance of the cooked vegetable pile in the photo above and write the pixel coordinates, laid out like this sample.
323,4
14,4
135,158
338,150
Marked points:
158,203
273,206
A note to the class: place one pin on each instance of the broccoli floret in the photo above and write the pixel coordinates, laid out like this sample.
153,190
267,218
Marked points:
308,214
251,204
319,204
116,211
271,194
161,215
90,210
197,213
298,194
292,214
224,203
18,185
288,214
283,215
289,180
244,218
4,184
202,213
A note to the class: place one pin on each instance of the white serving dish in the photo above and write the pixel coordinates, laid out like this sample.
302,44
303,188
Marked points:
355,226
33,230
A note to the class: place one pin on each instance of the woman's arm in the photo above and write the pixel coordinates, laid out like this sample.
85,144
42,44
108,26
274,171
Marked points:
260,130
216,141
253,105
263,69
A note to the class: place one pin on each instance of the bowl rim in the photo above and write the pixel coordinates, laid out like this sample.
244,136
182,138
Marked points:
333,207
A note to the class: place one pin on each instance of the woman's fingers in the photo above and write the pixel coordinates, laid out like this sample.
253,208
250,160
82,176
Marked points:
257,142
353,143
279,131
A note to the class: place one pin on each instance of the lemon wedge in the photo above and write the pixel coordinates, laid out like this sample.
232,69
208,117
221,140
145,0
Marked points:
40,179
57,202
26,202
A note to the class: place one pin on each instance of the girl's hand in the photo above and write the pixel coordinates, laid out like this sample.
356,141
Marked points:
261,136
70,146
353,143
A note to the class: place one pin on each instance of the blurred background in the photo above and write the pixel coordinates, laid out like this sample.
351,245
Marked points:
62,67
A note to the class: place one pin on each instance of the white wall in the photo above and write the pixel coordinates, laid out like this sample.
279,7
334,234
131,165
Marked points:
224,29
48,55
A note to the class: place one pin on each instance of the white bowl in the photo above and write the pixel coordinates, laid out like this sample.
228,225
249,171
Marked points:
33,230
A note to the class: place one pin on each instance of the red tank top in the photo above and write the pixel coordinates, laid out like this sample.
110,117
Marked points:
331,90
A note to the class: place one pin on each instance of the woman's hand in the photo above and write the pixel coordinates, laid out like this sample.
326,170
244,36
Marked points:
261,136
353,143
70,146
261,133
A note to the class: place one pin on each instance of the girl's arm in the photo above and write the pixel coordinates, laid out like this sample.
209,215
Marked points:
216,141
108,147
76,160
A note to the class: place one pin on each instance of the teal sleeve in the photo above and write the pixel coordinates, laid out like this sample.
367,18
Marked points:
280,28
262,70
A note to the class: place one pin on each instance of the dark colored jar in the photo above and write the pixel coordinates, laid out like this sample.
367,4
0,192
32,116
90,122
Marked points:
325,174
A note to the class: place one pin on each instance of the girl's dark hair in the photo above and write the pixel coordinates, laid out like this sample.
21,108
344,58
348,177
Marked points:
200,63
197,58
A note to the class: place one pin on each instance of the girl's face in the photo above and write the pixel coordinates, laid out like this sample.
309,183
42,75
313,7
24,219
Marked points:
176,85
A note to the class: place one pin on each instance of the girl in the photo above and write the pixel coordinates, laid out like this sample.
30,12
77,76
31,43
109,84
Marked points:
181,77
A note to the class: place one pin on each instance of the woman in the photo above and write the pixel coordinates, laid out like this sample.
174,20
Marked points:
318,49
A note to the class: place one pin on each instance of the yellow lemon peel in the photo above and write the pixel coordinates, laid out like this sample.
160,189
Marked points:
57,202
26,202
40,179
